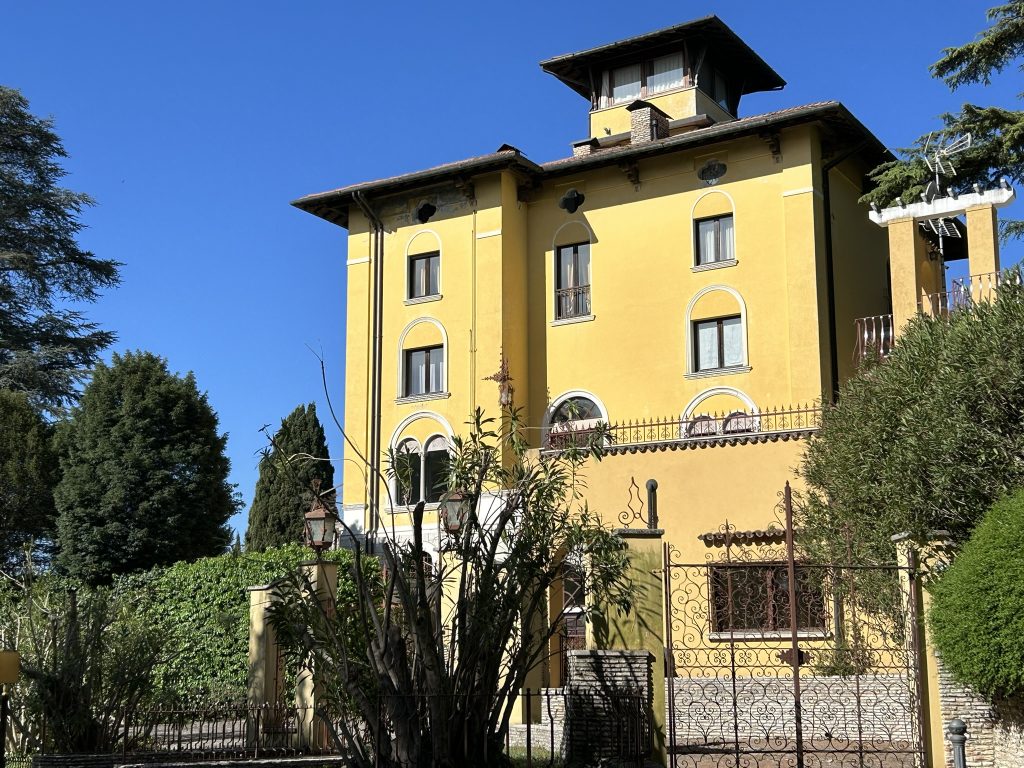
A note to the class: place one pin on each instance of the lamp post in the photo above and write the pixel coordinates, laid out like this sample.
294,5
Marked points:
321,526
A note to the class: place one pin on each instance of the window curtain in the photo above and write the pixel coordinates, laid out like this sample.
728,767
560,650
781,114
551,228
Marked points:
706,237
667,73
433,275
732,338
707,345
626,83
436,371
727,248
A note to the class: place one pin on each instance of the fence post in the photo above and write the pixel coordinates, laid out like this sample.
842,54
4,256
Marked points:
958,739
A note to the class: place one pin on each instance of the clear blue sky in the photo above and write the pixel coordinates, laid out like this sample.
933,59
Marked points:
193,125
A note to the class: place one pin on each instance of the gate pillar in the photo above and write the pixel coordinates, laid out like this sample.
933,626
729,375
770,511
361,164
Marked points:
917,561
643,628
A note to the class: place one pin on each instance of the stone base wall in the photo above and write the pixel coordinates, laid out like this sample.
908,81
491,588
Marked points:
608,703
870,708
995,727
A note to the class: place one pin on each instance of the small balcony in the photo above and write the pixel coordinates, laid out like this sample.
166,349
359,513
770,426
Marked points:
572,302
966,292
875,336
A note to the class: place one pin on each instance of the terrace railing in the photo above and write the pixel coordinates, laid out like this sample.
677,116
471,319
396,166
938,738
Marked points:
966,292
711,427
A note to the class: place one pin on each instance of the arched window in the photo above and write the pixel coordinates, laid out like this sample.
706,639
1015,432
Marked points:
716,326
572,420
572,272
423,278
575,409
714,240
420,474
422,364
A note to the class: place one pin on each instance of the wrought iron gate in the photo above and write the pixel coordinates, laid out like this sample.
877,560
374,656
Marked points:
776,660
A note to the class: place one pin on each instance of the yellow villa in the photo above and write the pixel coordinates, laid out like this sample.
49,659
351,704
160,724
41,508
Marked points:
683,262
698,279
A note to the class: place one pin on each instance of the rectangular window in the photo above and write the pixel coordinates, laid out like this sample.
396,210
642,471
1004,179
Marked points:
666,73
626,83
718,343
572,281
715,240
424,371
751,597
424,275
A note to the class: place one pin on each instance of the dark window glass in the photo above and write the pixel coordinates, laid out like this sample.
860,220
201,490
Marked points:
715,240
576,409
572,281
435,474
755,597
718,343
424,370
407,471
424,275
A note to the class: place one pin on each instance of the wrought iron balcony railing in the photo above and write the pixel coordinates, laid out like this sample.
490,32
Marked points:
966,292
731,426
874,336
572,302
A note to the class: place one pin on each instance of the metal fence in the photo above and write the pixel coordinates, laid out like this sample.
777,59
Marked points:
550,728
712,427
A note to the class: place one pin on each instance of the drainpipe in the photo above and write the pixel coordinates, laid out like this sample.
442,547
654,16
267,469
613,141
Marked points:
830,282
377,310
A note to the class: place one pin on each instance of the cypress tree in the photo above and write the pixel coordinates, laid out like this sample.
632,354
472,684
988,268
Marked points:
284,492
144,473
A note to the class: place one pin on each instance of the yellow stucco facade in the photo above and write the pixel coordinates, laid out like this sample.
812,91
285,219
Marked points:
691,277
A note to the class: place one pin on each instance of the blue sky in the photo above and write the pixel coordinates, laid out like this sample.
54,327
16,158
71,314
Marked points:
194,124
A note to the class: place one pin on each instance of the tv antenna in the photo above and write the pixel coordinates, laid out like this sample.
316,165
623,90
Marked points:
940,163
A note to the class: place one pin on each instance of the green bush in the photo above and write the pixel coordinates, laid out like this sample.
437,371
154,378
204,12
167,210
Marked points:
202,609
977,613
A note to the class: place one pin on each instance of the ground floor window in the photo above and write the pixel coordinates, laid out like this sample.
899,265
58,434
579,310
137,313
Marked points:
754,597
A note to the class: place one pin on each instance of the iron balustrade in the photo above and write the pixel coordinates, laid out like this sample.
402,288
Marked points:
966,292
875,335
731,425
572,302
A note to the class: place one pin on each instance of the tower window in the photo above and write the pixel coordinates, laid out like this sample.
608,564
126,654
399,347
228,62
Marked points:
424,371
424,275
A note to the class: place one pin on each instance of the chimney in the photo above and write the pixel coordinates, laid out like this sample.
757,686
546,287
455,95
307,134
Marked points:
647,122
585,147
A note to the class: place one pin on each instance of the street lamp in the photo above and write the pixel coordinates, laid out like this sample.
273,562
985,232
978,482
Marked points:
454,509
321,526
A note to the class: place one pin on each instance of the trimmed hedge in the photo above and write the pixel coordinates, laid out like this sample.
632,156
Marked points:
202,609
977,613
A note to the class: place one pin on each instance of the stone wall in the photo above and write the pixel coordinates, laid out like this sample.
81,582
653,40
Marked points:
608,703
995,728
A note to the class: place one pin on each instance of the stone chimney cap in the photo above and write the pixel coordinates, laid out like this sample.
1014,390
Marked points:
641,104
